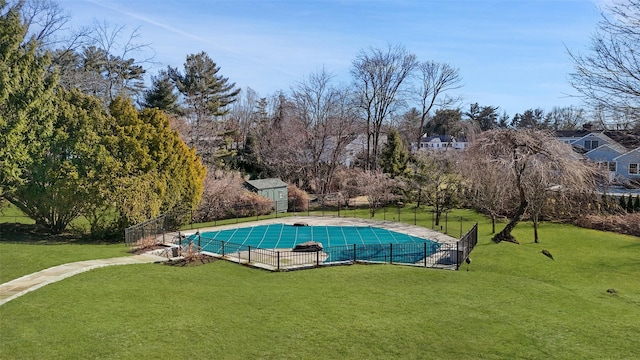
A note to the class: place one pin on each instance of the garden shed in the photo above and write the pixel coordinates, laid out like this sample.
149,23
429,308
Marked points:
274,189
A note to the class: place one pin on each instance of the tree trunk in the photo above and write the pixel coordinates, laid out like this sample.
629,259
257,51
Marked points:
535,229
505,234
493,223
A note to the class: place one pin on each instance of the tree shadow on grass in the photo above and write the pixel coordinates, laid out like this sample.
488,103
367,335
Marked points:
39,235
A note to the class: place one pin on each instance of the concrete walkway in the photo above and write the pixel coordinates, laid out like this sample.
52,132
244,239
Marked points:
20,286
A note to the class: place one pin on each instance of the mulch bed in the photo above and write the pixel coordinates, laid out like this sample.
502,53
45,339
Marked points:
139,251
196,260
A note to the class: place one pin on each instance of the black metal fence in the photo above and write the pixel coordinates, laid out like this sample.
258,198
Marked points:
152,229
447,254
427,254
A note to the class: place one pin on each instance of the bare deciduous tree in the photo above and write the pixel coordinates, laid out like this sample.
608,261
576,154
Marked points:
566,118
379,75
328,118
434,79
44,20
609,74
529,159
377,187
436,180
222,191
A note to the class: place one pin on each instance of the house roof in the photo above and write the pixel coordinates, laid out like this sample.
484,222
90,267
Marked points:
598,135
439,138
629,139
613,146
572,133
637,150
261,184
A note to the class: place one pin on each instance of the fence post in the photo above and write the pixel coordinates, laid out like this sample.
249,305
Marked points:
317,257
354,253
461,227
199,241
249,257
458,260
223,248
278,260
425,253
446,222
390,253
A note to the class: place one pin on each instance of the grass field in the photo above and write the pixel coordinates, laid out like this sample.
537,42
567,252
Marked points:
513,303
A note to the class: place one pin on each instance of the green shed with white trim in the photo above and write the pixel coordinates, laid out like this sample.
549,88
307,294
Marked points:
274,189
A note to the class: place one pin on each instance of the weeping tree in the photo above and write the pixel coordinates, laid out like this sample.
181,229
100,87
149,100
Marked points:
487,191
534,164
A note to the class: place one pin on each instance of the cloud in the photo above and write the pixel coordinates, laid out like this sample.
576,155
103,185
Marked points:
149,21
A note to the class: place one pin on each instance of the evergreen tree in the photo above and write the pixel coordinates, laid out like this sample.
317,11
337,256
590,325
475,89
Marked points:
636,205
206,93
68,165
485,117
622,202
161,94
159,171
630,204
394,156
26,97
96,72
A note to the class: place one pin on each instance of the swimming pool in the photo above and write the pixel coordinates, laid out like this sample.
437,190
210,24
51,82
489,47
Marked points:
339,242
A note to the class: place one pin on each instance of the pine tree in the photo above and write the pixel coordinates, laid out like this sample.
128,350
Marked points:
630,204
161,95
206,93
636,205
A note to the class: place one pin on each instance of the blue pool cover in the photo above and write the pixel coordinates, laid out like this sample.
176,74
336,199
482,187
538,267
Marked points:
372,243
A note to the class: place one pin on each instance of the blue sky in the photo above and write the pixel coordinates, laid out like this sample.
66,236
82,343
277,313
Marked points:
510,53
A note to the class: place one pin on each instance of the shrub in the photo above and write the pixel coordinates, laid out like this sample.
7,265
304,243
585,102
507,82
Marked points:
147,242
298,199
624,224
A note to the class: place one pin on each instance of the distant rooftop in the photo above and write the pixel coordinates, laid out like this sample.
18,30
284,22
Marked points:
271,183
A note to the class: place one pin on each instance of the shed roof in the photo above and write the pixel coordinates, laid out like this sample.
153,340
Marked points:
261,184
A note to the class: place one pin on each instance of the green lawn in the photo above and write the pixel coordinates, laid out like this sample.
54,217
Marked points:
513,303
19,259
11,214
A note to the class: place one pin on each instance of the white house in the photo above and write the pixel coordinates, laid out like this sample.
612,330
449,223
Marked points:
442,142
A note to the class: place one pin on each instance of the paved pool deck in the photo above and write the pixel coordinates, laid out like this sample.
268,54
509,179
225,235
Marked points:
408,229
